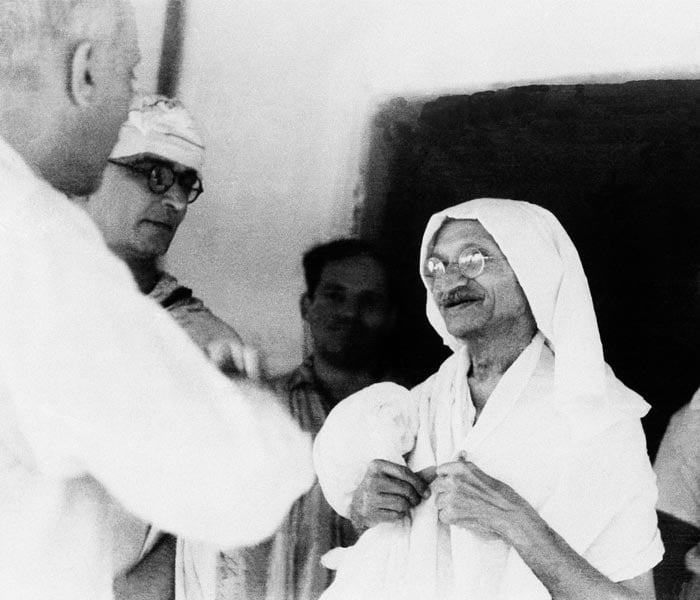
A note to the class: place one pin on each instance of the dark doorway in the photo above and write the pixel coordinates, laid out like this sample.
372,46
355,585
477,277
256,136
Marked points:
618,164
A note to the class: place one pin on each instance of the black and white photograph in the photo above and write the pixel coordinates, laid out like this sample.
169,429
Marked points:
349,300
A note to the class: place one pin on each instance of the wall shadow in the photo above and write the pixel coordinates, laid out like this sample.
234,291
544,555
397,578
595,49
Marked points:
619,164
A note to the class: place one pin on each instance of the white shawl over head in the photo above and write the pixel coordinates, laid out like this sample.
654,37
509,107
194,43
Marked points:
430,425
549,270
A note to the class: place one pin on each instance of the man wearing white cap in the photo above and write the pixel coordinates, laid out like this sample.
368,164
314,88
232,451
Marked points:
519,470
153,175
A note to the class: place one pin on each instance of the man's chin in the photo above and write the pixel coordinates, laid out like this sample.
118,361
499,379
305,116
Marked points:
154,241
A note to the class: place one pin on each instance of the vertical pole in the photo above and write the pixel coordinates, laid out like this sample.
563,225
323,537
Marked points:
171,52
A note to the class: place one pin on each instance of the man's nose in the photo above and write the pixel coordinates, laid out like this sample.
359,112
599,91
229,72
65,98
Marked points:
348,309
443,282
175,198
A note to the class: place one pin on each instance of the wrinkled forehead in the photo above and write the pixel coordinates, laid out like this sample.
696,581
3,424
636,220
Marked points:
458,233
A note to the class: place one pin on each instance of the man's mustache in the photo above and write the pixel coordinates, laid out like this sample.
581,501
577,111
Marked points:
457,295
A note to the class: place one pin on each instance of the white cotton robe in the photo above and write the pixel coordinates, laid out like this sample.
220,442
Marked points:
559,428
106,406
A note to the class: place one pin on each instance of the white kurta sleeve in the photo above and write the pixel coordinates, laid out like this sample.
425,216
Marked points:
630,545
606,502
378,422
105,383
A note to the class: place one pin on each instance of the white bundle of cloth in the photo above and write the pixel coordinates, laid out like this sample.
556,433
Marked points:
559,428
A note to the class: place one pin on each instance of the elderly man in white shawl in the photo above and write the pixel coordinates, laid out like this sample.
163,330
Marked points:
518,470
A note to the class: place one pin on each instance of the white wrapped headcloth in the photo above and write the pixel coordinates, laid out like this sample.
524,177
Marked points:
162,127
549,270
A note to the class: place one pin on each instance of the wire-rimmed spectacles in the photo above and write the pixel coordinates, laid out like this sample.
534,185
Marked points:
470,263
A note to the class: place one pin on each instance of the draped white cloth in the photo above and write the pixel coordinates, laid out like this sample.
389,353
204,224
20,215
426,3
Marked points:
559,428
105,402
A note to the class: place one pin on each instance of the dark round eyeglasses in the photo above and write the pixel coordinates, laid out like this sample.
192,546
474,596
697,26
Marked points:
161,177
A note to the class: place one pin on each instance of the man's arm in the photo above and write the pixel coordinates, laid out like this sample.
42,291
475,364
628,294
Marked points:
567,575
106,383
468,498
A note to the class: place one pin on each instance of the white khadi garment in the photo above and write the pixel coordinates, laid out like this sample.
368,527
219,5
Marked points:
559,428
106,403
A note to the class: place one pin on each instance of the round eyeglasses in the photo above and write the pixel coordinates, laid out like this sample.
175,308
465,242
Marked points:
161,177
470,263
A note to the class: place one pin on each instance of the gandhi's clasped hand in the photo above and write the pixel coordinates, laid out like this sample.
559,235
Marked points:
469,498
387,493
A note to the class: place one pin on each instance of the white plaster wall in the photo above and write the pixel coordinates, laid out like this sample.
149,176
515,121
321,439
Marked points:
285,90
150,18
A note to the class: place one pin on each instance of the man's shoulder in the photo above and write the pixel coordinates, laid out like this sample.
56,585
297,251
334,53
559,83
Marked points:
201,324
169,293
426,385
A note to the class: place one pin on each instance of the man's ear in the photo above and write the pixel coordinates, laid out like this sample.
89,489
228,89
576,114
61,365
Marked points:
304,303
81,79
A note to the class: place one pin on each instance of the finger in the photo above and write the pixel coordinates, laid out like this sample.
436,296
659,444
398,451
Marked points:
443,485
442,499
401,473
428,475
394,503
462,475
226,355
481,481
445,515
389,515
396,487
480,475
251,363
466,471
457,467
